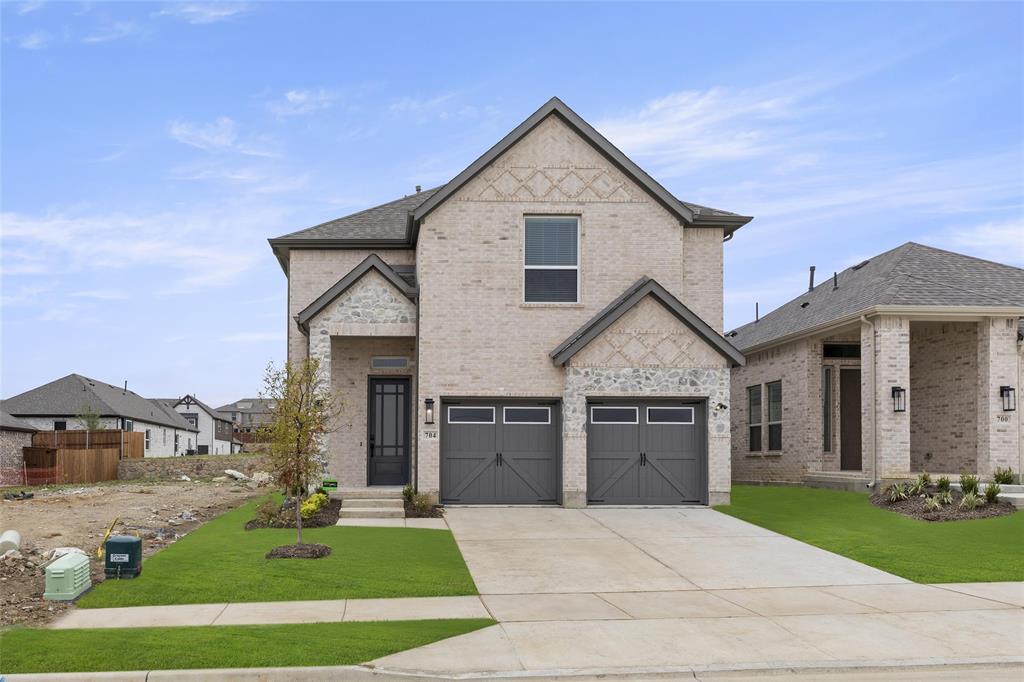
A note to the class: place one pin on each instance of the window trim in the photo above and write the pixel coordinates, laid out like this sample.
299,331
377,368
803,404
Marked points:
577,267
636,412
506,408
778,422
688,408
470,407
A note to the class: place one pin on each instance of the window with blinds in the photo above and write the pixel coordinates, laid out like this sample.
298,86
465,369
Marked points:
551,270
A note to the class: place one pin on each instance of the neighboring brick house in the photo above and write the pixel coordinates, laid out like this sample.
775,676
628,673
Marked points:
544,328
248,415
15,434
216,434
907,362
56,406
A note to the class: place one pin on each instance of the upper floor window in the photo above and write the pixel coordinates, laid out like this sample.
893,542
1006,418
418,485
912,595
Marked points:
551,270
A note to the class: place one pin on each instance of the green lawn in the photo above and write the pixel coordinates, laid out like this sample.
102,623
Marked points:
222,562
225,646
980,550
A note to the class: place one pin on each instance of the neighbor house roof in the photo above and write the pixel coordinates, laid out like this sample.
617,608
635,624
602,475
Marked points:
251,406
371,262
910,276
396,223
8,422
68,396
644,287
173,403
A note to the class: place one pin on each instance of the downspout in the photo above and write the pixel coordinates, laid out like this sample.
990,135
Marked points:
874,399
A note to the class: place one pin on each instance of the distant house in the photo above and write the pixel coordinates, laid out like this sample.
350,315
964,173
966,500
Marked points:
58,404
216,435
15,434
248,414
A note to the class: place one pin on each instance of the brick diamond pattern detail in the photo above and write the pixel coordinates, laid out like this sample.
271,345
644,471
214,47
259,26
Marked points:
553,183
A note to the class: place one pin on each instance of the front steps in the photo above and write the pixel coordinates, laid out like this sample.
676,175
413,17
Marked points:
371,503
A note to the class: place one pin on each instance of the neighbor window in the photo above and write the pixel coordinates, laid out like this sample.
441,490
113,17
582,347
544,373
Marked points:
147,439
177,441
826,409
774,415
552,269
163,435
129,425
60,426
754,410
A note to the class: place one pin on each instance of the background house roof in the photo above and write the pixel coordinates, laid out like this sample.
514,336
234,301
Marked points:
911,275
9,422
173,403
248,406
66,397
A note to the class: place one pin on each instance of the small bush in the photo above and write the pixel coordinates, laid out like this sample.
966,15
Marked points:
407,494
898,491
313,504
422,503
971,501
916,488
968,484
992,491
943,484
1003,476
932,503
925,479
945,497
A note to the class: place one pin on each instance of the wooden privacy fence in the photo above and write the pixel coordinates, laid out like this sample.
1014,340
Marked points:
131,443
69,465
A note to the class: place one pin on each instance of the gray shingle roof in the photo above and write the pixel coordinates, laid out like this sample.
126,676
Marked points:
910,275
8,422
257,406
67,396
388,221
173,402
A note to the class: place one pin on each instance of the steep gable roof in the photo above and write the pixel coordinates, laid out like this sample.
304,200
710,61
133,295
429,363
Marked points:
644,287
371,262
66,397
912,275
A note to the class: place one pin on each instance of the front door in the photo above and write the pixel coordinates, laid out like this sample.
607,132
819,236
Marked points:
387,416
849,419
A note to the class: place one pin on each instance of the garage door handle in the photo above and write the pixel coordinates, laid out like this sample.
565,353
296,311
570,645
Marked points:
497,458
643,459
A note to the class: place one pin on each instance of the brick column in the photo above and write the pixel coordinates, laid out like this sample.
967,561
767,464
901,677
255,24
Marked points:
998,431
885,363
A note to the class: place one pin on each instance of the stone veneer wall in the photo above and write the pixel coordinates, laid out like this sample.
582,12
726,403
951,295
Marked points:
943,382
198,466
11,443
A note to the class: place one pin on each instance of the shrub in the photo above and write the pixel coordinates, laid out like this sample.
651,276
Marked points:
945,497
992,491
971,501
407,494
924,479
1003,476
968,484
422,503
898,491
916,488
932,503
943,484
312,504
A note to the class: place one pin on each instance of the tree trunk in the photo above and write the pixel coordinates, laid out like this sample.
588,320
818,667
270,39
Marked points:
298,515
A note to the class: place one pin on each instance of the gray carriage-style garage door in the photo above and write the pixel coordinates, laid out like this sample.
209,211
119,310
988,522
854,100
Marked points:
646,453
499,452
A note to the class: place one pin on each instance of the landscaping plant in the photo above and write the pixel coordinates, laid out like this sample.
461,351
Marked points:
945,496
314,504
301,417
408,493
971,501
968,484
932,503
943,484
898,491
1003,476
917,488
992,491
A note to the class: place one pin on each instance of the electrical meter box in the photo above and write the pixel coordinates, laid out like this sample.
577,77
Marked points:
67,577
124,556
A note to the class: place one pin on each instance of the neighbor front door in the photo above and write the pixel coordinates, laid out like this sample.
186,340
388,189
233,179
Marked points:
849,419
388,431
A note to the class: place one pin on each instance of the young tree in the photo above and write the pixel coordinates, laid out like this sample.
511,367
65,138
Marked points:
303,409
89,418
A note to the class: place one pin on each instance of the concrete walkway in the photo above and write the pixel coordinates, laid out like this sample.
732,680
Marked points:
651,590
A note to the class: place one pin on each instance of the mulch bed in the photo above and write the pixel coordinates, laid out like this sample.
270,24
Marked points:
303,551
913,507
411,512
327,516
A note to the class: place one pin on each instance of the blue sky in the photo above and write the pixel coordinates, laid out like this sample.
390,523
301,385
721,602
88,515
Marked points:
149,150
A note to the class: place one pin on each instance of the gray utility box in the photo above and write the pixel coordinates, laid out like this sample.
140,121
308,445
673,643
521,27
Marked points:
123,556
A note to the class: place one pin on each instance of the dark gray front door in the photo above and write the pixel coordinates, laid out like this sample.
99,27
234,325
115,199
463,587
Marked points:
646,453
849,420
499,452
388,438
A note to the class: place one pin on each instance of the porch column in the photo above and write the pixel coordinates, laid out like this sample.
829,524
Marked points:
998,431
320,349
885,363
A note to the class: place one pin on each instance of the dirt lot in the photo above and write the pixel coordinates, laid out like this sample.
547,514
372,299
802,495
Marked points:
79,517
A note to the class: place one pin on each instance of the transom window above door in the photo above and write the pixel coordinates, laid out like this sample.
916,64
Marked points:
551,266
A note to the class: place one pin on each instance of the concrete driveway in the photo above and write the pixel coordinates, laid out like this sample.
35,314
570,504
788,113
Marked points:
690,589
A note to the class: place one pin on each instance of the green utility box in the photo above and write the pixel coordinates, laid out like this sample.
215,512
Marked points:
124,556
67,577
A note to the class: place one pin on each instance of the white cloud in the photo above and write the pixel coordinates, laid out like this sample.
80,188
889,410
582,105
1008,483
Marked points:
205,12
211,136
441,107
254,337
26,295
114,31
36,40
1002,241
102,294
300,102
29,7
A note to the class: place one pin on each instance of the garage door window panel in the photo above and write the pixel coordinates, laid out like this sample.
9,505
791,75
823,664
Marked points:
614,415
527,415
551,263
670,415
471,415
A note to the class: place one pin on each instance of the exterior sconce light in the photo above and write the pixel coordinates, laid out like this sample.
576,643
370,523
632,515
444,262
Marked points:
899,399
429,405
1009,397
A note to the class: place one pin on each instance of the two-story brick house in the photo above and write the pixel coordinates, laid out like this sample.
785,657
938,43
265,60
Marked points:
544,328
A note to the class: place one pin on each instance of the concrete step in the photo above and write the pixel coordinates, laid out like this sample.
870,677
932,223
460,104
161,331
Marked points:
387,502
1016,499
374,493
371,513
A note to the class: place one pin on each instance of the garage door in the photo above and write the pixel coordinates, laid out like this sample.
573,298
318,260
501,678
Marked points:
646,453
499,452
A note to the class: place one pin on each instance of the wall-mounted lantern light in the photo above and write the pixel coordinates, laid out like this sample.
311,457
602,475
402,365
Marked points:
429,405
899,399
1009,398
